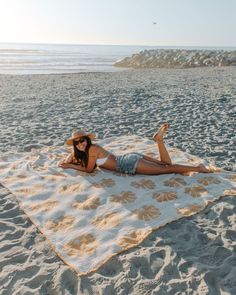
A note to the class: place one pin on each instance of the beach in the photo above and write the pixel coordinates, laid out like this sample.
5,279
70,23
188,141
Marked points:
193,255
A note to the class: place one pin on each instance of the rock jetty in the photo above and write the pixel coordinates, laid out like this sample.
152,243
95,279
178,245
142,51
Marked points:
178,58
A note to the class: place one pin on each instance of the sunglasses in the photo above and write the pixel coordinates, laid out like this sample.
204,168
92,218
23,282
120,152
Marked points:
81,140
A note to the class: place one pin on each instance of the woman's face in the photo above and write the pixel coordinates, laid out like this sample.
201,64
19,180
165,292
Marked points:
81,144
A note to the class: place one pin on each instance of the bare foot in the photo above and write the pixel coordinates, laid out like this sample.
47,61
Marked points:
158,136
203,169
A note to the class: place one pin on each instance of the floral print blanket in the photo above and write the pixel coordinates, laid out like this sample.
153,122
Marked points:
88,218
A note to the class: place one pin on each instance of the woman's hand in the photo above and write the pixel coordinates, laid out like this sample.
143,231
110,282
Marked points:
66,165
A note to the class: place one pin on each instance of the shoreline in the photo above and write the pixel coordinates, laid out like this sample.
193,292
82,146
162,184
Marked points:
123,70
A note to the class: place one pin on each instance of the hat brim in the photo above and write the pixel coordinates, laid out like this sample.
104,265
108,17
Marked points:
70,140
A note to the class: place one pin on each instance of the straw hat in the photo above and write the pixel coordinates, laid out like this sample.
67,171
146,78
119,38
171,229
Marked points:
77,134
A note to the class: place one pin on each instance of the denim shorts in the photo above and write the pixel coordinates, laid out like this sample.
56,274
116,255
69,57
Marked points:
127,163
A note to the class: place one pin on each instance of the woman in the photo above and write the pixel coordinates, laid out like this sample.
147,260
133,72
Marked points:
85,156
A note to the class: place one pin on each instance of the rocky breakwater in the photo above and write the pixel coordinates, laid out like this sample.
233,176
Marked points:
178,58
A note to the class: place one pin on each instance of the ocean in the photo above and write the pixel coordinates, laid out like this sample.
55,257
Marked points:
22,58
59,58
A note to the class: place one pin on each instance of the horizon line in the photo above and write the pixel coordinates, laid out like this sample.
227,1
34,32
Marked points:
103,44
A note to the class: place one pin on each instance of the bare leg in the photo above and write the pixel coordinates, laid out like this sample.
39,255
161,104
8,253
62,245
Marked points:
158,137
149,168
153,160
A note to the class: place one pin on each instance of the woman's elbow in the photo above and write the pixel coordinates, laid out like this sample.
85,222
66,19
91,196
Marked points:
90,170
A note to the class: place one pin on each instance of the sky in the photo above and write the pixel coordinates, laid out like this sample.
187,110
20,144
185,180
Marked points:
119,22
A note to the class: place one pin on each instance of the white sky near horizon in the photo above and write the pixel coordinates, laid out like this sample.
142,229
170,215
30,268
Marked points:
119,22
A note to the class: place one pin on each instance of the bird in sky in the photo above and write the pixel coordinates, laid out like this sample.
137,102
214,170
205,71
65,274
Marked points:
154,23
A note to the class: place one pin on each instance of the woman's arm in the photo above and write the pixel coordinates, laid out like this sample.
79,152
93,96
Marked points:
75,166
69,158
89,168
91,162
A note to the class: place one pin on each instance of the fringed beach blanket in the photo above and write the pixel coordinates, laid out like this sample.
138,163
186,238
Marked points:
88,218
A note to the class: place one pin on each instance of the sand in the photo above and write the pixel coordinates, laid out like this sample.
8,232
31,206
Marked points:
194,255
